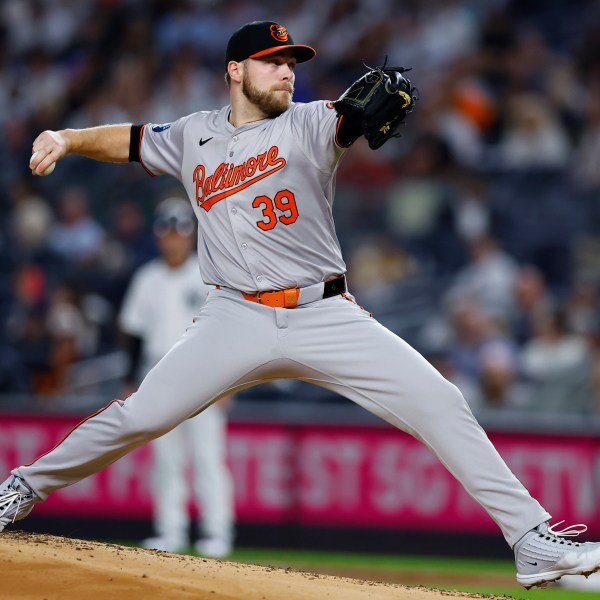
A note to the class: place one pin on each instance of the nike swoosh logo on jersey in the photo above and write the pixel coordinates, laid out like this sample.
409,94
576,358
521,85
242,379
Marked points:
202,142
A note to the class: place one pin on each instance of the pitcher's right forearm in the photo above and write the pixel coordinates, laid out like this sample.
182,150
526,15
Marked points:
108,143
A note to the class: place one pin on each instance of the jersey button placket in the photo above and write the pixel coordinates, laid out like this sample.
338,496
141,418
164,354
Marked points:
234,210
237,224
230,153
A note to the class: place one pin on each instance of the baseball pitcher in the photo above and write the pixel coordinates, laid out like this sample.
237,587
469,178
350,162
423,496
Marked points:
260,175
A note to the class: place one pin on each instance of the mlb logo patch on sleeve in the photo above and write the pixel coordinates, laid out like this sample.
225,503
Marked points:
160,128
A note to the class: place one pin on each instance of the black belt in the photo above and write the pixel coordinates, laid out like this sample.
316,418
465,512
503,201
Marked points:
334,287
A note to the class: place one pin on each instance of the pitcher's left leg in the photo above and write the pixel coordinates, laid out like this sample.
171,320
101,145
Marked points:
346,350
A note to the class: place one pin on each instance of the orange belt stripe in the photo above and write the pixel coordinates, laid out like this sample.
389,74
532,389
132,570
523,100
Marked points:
279,299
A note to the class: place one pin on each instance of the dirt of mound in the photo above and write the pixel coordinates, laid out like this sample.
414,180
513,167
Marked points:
44,567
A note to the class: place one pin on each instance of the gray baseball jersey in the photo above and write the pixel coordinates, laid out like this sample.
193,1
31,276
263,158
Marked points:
263,193
263,196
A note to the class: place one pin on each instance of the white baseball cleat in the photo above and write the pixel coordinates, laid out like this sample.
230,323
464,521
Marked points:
543,555
16,500
213,548
165,544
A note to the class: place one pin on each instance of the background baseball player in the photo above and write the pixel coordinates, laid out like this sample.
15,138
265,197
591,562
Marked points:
162,300
260,174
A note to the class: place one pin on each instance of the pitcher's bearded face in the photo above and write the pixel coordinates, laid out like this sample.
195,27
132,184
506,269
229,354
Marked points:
268,82
272,102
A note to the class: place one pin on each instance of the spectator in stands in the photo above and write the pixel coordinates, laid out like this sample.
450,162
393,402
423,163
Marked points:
49,331
586,163
14,377
377,267
188,84
558,363
74,337
531,298
533,137
365,175
499,384
129,231
29,289
488,278
482,357
34,346
128,245
441,33
394,285
419,204
42,89
30,224
25,346
583,309
130,86
596,381
77,237
473,215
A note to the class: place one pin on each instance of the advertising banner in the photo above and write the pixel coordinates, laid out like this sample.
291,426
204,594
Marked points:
329,475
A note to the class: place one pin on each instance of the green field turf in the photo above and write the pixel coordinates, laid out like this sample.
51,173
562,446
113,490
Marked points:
380,565
320,561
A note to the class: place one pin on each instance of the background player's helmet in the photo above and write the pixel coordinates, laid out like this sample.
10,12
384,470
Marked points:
174,213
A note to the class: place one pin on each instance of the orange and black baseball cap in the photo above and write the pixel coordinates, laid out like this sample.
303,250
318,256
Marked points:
261,38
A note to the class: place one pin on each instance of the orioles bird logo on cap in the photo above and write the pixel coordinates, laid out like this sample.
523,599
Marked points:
279,33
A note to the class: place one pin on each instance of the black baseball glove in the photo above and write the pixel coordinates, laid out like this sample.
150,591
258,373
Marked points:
377,104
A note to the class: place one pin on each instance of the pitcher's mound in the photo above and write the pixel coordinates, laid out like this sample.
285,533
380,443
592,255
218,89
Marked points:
37,567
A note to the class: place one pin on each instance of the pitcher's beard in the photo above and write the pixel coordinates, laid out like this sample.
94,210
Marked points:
271,103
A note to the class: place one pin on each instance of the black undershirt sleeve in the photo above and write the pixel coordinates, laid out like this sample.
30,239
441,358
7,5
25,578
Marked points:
134,143
133,348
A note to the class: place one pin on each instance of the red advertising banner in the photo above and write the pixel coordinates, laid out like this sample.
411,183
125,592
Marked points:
346,476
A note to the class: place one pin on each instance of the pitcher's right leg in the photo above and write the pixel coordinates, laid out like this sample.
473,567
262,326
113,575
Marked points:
228,341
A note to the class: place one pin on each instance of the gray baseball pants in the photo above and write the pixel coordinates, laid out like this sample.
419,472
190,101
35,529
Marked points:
234,344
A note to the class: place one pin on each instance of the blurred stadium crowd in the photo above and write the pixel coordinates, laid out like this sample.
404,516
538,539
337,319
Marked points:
475,236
